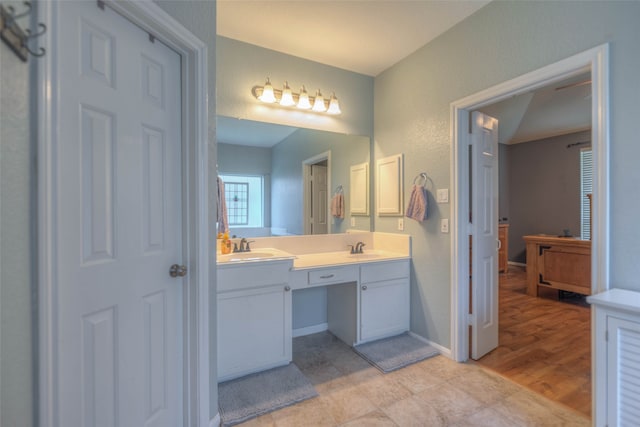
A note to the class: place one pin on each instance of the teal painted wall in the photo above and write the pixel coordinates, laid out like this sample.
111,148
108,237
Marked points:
501,41
17,244
242,66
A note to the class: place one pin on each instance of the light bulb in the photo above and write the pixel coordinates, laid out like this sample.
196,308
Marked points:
267,93
334,106
318,104
287,96
303,100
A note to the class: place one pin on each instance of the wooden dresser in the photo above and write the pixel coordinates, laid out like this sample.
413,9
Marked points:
562,263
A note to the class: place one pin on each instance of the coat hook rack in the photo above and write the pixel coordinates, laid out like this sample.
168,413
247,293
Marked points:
14,36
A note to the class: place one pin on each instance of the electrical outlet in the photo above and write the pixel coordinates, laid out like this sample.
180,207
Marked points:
400,224
444,225
353,221
442,195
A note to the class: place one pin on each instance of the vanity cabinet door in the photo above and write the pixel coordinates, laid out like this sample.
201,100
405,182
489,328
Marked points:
254,330
384,308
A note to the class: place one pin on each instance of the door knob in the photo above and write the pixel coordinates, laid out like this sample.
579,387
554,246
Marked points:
178,270
364,287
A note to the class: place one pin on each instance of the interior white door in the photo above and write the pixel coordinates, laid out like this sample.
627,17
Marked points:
319,195
484,214
119,222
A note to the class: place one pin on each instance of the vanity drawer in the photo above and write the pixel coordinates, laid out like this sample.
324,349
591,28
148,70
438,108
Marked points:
325,276
247,275
380,271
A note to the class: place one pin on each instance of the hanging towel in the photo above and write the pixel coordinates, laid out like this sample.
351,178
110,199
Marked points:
337,205
223,220
417,208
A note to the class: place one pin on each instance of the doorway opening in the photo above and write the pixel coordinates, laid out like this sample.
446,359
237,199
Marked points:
594,61
316,175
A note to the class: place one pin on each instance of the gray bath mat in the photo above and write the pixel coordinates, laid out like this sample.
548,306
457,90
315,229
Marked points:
393,353
248,397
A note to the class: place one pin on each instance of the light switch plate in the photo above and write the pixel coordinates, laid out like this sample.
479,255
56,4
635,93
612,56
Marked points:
400,224
353,221
444,225
442,195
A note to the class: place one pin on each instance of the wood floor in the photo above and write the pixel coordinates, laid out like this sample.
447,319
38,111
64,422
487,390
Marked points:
545,343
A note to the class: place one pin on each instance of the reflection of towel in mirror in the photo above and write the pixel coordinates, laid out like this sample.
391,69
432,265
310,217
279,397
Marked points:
337,205
417,208
223,220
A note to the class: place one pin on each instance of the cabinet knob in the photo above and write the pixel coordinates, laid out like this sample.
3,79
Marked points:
364,287
287,288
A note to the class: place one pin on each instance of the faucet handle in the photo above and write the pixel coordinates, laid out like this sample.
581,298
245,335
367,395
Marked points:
246,247
353,249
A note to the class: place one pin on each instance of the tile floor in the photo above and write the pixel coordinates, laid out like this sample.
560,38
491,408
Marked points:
434,392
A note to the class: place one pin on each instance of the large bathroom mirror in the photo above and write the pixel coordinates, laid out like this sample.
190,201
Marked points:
280,180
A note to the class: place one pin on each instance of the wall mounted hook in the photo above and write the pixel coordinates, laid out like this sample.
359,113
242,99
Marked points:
16,37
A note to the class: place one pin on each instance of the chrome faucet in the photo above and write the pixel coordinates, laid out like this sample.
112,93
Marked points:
244,246
357,248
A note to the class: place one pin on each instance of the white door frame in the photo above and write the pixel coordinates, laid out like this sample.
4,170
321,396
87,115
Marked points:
595,60
193,52
306,196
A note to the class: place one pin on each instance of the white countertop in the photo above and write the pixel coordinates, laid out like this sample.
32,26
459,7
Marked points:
307,261
620,299
328,259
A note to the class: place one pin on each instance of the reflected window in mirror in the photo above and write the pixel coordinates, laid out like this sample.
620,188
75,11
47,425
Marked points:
244,195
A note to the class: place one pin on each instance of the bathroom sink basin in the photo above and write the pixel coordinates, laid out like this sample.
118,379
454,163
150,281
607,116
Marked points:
366,255
245,256
257,255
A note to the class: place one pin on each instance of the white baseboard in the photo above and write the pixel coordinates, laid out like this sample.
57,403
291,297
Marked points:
215,421
313,329
446,352
519,264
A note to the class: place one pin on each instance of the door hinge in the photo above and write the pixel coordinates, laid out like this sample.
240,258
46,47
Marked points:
470,319
606,336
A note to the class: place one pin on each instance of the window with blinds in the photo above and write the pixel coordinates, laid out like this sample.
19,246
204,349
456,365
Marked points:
586,188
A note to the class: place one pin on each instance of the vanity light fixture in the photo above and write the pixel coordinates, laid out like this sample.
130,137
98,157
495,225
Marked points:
287,96
334,106
302,100
318,103
267,94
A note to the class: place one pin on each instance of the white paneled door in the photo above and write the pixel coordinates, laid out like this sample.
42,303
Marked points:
319,197
119,223
484,214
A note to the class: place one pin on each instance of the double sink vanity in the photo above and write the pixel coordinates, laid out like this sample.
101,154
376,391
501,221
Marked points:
367,294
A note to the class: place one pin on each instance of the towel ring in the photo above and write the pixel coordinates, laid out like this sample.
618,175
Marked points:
338,189
421,175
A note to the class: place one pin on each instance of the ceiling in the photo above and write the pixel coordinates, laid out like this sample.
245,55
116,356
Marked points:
369,36
363,36
557,109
